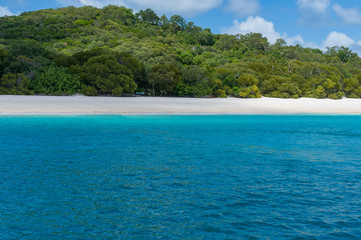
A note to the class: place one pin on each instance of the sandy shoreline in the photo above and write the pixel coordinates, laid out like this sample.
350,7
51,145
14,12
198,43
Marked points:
80,105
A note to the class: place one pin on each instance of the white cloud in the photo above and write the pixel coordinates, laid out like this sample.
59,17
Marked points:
243,7
266,28
185,7
294,40
94,3
65,3
349,15
314,12
338,39
255,25
315,5
100,4
334,39
4,11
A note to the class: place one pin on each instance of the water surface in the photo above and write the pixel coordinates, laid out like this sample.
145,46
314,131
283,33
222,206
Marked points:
180,177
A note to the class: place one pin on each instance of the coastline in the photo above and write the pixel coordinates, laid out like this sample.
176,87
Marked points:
81,105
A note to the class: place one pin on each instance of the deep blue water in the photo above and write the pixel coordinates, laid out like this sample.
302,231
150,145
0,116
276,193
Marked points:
180,177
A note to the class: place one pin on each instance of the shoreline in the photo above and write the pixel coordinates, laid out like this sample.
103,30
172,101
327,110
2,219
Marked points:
81,105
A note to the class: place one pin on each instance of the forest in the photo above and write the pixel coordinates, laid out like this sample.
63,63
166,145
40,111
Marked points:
115,52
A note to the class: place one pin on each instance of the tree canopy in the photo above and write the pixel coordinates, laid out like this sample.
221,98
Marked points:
114,51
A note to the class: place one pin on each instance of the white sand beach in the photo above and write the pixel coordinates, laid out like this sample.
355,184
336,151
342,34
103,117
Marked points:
81,105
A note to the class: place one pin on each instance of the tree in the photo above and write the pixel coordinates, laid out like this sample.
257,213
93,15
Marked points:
164,22
254,41
352,87
186,58
25,55
206,38
248,86
178,23
193,75
343,53
134,65
14,84
111,51
148,16
163,79
107,71
87,13
280,43
3,54
118,14
55,80
220,93
280,87
227,42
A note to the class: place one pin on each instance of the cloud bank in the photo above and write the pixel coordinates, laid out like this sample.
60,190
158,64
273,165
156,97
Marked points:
313,12
319,6
242,8
260,25
184,7
338,39
4,11
348,15
267,29
94,3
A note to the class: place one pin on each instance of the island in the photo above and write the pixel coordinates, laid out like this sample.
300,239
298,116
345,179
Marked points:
114,52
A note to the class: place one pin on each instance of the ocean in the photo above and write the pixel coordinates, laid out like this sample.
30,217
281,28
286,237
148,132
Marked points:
180,177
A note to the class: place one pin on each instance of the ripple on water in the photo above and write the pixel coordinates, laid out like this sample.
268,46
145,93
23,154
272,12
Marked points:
180,177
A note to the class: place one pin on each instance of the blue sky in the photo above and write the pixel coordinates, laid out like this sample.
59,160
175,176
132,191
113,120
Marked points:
310,23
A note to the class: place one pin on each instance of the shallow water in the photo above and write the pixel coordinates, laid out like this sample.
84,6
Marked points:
180,177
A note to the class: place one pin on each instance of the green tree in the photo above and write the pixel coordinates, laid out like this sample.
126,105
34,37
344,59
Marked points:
3,54
118,14
280,87
220,93
193,75
112,51
108,72
248,86
206,37
53,80
164,79
164,22
227,42
254,41
178,23
134,65
148,16
195,82
14,84
343,53
352,87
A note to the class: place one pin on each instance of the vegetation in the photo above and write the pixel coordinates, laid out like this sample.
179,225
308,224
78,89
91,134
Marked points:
112,51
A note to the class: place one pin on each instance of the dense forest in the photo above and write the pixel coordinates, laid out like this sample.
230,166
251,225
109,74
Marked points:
115,52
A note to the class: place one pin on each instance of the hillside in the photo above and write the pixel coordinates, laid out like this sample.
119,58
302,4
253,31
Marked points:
113,51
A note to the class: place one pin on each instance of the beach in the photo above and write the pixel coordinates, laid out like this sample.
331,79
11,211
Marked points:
81,105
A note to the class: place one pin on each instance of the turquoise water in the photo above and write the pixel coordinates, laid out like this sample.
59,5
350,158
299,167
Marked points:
180,177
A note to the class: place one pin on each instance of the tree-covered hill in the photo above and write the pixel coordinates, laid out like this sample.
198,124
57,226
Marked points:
112,51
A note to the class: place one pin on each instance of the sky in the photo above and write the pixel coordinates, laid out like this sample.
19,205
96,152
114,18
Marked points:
310,23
